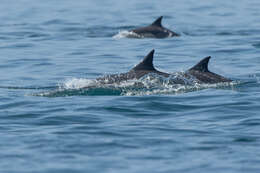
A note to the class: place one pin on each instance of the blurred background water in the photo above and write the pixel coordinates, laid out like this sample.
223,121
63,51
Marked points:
53,44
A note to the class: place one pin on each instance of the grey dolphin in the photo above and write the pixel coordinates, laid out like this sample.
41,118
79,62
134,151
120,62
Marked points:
155,30
200,72
203,75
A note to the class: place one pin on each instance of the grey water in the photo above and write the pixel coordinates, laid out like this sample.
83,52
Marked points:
50,51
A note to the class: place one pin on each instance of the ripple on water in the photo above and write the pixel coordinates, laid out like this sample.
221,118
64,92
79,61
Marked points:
256,45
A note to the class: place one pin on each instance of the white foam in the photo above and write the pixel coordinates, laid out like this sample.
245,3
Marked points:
77,83
126,34
154,85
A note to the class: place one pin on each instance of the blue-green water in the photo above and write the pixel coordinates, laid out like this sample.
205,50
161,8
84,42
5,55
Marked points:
50,50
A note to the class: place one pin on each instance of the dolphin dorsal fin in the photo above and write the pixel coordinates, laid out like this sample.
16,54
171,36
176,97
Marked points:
147,63
202,65
158,22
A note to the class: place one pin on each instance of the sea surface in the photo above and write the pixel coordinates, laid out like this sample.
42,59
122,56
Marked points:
54,118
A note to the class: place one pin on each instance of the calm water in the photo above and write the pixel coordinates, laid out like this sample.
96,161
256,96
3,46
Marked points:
50,49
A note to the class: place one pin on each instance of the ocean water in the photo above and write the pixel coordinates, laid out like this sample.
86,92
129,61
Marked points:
50,50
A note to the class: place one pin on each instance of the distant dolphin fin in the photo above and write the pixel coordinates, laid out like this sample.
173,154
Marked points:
158,22
147,63
202,65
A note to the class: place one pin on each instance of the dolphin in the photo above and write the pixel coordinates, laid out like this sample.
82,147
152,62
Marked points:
199,72
155,30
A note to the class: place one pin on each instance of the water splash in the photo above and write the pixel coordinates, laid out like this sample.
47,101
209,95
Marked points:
76,83
126,34
151,84
131,34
